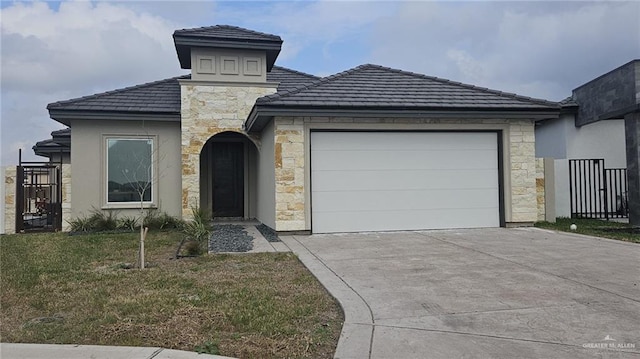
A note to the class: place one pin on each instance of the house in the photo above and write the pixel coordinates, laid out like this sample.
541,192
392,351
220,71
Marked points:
589,136
368,149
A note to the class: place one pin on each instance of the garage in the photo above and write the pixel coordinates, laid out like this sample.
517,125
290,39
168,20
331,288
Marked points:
384,181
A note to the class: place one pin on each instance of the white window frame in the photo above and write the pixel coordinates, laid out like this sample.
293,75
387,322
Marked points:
153,189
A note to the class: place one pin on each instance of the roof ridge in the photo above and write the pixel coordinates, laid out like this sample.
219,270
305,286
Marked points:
318,82
223,26
295,71
465,85
111,92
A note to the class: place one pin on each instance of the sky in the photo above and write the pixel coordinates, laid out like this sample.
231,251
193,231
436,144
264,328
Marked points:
52,51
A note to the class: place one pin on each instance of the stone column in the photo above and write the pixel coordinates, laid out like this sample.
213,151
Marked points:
66,196
632,134
289,171
524,209
10,200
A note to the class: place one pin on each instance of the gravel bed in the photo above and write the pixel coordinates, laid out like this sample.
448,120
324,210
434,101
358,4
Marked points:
268,233
230,238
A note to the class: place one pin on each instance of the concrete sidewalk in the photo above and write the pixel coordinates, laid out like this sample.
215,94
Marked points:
480,293
56,351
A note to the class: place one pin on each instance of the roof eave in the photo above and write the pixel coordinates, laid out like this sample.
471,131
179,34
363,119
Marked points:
260,115
66,116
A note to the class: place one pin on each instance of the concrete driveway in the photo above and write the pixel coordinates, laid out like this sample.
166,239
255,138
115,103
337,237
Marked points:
483,293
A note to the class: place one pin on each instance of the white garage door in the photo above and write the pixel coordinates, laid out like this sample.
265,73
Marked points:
379,181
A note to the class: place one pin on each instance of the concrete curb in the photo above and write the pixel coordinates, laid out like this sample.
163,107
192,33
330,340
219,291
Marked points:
357,331
70,351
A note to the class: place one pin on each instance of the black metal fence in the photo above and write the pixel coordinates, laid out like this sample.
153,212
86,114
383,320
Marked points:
595,191
38,196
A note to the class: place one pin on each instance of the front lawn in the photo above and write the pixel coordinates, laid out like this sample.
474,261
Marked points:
595,227
80,289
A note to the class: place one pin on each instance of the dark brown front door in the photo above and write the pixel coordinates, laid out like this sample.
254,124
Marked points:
228,179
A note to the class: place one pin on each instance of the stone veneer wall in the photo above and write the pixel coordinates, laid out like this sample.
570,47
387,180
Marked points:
290,163
10,199
206,110
290,174
522,149
66,196
540,190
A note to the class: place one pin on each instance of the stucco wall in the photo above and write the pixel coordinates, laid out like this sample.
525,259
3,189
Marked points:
551,138
603,139
561,140
208,109
292,156
266,173
89,169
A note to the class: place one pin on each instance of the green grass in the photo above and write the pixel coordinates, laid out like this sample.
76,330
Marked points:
81,290
595,227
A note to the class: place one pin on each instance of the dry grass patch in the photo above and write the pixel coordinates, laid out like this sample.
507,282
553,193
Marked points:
79,289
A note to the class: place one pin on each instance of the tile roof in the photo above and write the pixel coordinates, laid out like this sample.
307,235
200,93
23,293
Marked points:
154,97
163,96
59,143
373,86
225,36
289,79
227,32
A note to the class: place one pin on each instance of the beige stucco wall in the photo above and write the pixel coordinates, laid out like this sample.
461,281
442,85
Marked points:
9,197
89,168
292,154
208,109
266,174
231,65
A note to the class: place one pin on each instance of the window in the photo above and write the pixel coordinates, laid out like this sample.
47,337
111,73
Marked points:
129,170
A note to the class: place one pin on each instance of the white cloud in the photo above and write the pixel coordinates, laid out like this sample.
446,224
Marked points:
82,44
308,25
468,66
541,49
79,49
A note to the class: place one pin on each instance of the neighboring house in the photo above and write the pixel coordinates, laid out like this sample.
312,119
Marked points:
588,129
57,149
368,149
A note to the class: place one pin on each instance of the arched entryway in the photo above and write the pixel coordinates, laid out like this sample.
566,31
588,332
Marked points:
227,175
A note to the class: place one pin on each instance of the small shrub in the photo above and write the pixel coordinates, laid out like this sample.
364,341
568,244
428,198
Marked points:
80,224
201,215
198,229
128,223
98,221
161,221
103,220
